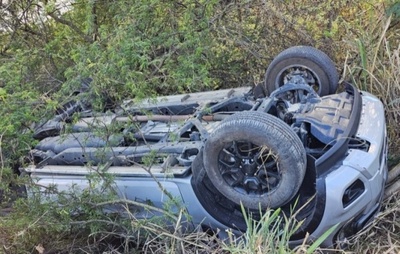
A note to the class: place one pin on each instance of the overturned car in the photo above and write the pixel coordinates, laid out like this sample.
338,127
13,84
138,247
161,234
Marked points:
289,142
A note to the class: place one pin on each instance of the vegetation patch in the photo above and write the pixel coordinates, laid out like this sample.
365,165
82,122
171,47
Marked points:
140,49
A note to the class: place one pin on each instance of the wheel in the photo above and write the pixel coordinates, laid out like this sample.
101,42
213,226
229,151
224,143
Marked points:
310,63
255,159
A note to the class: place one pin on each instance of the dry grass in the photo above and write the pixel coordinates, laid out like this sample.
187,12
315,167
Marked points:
382,236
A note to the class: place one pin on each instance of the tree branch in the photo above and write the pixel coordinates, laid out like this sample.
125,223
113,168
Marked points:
72,26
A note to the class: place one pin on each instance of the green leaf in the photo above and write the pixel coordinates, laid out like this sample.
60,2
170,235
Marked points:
322,238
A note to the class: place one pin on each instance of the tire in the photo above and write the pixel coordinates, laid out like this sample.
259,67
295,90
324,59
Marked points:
255,159
308,60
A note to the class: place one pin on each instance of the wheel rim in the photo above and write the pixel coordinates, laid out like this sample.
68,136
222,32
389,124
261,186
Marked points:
310,76
249,169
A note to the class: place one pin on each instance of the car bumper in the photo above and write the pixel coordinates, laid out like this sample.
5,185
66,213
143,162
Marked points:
358,180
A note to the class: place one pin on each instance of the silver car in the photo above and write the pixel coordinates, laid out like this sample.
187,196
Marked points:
286,143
